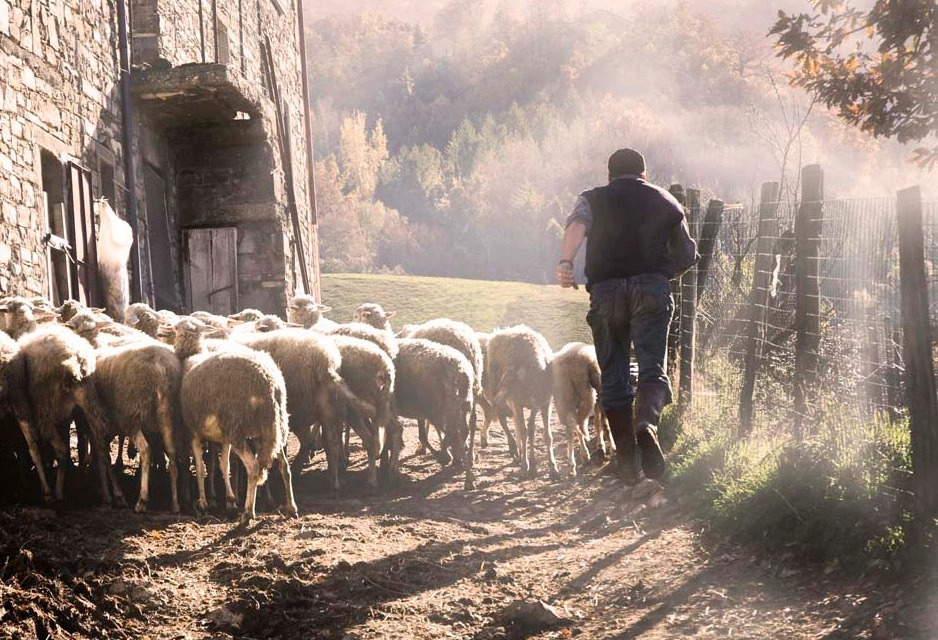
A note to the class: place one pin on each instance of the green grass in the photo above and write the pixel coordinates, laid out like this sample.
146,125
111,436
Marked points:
559,314
839,496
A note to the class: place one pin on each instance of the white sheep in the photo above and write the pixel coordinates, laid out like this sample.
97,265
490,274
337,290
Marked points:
516,373
231,397
304,311
576,384
434,383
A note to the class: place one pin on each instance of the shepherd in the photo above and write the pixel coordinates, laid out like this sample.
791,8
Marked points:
638,241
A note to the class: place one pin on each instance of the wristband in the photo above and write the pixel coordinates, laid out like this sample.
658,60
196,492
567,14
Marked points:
569,262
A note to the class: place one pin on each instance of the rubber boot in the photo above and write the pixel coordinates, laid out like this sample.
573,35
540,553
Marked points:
623,433
649,403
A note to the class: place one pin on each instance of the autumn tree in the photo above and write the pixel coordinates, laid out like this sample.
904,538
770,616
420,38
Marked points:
876,68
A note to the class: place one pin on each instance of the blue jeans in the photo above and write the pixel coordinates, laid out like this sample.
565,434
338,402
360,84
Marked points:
625,312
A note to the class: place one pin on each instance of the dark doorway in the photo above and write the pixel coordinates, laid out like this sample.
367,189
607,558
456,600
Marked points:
161,260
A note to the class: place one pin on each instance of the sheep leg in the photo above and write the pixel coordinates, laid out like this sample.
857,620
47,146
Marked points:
169,448
424,446
517,416
346,446
512,445
486,422
36,454
531,434
63,460
254,475
546,417
212,466
119,464
470,483
333,446
202,503
551,456
573,438
284,464
143,451
231,501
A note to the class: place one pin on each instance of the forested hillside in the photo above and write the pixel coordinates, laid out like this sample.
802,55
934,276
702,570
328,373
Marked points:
452,137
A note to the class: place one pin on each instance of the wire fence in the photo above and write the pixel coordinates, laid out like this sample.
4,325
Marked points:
748,326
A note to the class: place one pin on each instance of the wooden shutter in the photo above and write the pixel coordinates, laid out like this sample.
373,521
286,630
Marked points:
82,233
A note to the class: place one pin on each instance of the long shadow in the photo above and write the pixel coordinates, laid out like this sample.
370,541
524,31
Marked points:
651,619
304,606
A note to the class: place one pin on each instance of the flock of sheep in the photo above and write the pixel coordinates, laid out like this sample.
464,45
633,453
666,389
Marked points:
206,385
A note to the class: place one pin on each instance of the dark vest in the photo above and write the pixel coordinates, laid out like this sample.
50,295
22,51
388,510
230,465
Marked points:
632,223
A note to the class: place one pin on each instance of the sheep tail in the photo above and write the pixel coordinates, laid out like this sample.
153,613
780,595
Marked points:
272,440
348,397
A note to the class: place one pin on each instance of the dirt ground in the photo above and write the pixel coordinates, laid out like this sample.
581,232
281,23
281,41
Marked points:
584,558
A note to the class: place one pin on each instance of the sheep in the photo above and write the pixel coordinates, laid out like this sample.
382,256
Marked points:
56,378
264,324
101,331
373,314
576,384
138,384
516,372
142,317
19,317
434,383
369,373
461,337
316,392
10,383
231,397
247,315
380,337
304,311
221,323
489,412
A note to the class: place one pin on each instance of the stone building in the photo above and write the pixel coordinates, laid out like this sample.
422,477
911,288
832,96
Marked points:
209,123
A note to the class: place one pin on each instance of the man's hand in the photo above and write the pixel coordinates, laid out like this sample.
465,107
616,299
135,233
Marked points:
565,276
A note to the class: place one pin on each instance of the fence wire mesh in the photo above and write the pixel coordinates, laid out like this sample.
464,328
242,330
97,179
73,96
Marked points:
746,315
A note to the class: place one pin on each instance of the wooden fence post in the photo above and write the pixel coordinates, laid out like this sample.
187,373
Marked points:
689,311
674,333
917,352
808,227
708,238
759,301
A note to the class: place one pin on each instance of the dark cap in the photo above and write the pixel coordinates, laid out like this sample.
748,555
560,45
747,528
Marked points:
626,162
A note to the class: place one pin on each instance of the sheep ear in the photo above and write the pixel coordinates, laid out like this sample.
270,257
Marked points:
212,331
97,310
390,314
295,325
235,323
324,309
40,314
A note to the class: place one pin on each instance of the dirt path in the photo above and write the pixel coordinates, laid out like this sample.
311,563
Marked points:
432,562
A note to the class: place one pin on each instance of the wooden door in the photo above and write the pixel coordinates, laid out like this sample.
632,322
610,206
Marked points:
212,269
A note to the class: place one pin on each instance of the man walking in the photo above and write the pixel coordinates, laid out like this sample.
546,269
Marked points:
638,241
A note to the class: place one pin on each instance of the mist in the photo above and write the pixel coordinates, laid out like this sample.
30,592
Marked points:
479,122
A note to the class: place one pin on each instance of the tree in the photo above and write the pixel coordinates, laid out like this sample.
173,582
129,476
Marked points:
876,68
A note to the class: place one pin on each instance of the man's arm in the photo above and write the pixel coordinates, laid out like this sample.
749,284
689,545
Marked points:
578,225
682,249
573,238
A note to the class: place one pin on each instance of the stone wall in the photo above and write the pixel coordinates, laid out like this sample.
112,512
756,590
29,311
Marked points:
59,94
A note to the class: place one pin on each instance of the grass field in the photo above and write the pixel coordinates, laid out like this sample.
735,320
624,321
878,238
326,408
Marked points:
557,313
